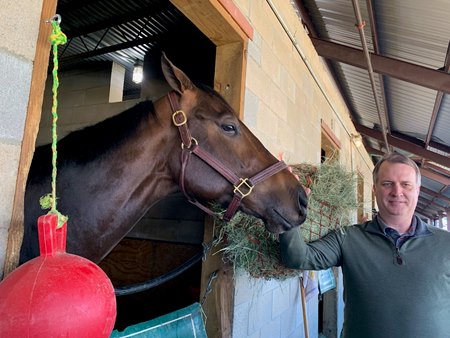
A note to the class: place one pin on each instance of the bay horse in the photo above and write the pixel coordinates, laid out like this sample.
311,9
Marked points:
111,173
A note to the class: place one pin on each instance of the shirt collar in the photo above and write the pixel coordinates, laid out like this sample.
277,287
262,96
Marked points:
411,231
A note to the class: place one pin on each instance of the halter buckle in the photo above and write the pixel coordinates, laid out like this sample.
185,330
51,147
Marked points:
189,146
243,181
175,118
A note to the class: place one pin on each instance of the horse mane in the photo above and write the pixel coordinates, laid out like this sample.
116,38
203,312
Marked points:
84,145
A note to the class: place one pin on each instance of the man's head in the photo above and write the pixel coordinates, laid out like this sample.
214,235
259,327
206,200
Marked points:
396,158
396,185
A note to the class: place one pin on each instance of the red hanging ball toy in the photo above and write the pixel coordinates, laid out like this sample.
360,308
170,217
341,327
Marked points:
56,294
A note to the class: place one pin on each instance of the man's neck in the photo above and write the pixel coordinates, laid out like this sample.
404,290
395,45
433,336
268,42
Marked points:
399,225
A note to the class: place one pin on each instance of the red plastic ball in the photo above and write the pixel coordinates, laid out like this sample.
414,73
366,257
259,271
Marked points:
56,294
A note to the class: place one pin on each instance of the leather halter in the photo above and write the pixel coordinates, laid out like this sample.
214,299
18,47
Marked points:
242,186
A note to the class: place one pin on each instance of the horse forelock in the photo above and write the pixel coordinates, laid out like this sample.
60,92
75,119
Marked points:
210,92
211,101
84,145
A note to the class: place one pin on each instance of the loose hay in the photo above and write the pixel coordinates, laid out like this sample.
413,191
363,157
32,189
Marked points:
248,245
332,197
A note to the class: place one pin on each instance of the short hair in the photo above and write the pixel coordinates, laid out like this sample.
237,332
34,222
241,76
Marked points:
396,158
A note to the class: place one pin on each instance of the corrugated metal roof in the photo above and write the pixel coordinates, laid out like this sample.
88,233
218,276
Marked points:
416,32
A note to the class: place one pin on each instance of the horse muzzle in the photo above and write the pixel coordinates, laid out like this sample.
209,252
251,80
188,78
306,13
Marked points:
282,218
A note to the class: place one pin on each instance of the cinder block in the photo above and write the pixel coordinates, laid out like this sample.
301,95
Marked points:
9,160
21,21
251,107
15,76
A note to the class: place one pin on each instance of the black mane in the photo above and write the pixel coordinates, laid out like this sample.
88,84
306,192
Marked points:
84,145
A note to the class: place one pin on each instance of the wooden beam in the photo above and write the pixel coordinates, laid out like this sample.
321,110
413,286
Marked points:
434,176
330,135
405,145
38,78
435,194
422,212
427,202
425,206
213,20
401,70
373,151
440,170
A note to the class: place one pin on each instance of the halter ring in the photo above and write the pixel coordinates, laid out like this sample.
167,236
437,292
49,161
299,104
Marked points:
193,142
243,181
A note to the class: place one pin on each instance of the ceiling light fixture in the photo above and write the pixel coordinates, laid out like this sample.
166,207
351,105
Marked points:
138,71
357,139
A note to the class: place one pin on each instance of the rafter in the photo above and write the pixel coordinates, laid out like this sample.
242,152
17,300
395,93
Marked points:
434,205
435,194
405,145
401,70
435,176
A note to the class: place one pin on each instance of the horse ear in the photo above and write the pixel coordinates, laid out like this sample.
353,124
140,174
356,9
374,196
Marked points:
175,76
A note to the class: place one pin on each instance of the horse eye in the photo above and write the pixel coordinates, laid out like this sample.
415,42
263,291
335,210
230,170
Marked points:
229,128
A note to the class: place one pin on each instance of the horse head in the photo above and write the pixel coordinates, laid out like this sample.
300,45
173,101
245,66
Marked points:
220,160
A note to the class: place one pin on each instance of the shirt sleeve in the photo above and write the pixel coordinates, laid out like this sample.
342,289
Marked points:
318,255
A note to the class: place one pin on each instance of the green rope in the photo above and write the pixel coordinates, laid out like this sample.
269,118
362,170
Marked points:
57,37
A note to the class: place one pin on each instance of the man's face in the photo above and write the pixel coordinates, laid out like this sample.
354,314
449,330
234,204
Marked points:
396,192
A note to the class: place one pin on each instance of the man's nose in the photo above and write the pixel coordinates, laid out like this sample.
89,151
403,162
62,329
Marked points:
397,189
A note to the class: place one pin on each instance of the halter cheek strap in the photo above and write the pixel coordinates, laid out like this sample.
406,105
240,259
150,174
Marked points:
242,186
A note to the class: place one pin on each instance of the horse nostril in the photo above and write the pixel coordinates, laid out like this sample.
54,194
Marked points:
302,199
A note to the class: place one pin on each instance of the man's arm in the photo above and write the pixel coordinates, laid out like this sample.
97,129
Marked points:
317,255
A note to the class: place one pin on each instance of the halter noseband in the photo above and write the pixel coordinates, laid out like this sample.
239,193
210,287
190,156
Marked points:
242,186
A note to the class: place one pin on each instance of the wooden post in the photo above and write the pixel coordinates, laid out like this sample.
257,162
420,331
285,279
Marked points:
38,78
303,301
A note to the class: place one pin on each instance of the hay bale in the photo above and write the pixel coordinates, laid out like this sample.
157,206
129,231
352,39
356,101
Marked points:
332,198
248,245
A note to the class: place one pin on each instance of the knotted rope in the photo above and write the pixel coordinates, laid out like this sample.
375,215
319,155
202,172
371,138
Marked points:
57,37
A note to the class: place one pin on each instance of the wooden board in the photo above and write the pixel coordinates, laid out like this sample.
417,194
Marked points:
33,118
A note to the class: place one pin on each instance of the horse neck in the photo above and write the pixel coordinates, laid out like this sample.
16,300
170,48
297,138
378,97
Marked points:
137,174
145,159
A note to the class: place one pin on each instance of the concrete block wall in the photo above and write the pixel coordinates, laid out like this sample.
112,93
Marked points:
18,36
83,99
289,91
270,309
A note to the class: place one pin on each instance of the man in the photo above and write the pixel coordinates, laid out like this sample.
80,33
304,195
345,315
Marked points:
396,268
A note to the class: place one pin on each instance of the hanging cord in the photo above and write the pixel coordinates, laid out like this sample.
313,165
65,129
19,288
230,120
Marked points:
57,37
